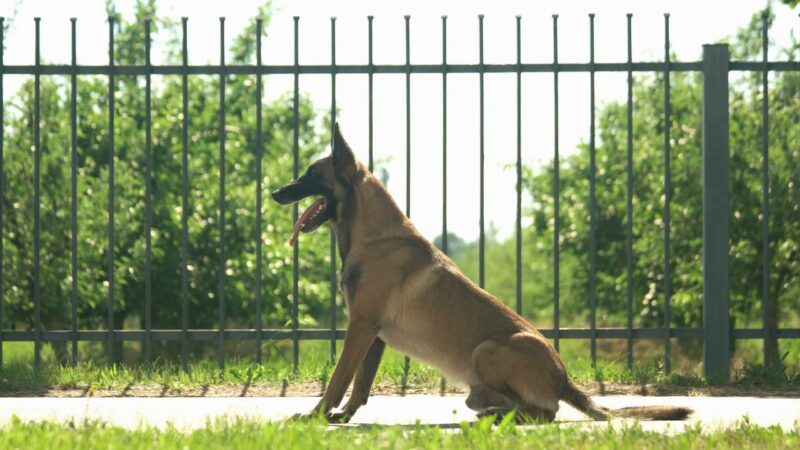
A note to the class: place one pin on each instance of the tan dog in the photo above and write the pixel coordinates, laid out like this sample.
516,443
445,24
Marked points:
402,291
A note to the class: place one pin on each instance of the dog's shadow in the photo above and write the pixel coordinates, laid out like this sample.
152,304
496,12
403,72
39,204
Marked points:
402,426
441,426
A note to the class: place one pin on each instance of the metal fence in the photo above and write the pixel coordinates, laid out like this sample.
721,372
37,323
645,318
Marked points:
714,66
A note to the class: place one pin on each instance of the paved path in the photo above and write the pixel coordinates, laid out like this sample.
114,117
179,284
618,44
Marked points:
187,413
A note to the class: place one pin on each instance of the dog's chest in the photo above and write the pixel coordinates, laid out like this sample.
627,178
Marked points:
405,306
455,369
420,337
403,340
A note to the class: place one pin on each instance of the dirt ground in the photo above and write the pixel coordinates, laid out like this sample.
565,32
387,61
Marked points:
316,389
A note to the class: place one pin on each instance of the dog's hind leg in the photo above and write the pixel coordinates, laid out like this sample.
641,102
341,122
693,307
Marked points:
521,366
481,397
488,402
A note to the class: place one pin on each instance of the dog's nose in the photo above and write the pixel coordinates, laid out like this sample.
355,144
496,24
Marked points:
275,194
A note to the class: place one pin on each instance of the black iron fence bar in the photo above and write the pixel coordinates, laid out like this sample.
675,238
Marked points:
37,297
370,77
312,69
73,117
332,307
716,212
556,190
407,18
755,66
518,222
765,304
148,201
444,135
110,255
324,334
296,172
210,335
171,335
482,234
629,204
443,380
592,204
221,221
2,184
667,199
408,114
185,205
259,188
758,333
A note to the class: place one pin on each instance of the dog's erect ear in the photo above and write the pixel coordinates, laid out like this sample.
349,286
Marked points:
343,159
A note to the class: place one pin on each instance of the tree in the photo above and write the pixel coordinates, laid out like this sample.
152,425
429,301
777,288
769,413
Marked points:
686,204
129,198
455,244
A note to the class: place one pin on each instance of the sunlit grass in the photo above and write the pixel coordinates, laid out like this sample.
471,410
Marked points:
18,373
277,370
249,434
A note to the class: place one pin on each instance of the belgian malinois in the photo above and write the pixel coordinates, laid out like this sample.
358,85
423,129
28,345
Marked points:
402,291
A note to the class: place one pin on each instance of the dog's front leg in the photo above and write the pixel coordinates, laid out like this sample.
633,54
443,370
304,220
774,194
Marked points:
360,336
363,382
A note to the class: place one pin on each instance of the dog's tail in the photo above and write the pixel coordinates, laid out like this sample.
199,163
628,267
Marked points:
577,398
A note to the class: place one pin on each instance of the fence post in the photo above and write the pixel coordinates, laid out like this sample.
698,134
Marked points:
716,323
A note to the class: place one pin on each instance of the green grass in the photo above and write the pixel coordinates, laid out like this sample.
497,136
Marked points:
248,434
18,374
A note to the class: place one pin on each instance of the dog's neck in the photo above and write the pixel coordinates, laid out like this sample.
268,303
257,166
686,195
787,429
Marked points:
369,214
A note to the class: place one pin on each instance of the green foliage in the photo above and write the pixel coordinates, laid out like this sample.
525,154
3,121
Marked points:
648,200
241,433
129,199
758,375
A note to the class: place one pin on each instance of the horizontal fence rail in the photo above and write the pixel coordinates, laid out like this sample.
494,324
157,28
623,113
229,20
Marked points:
211,335
715,109
172,69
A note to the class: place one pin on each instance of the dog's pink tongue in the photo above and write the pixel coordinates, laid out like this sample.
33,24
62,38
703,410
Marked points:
307,214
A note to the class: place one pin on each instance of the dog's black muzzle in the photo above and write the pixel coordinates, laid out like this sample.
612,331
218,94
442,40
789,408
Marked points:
295,191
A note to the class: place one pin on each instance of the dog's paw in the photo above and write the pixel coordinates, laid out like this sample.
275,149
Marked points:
339,417
498,414
303,417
